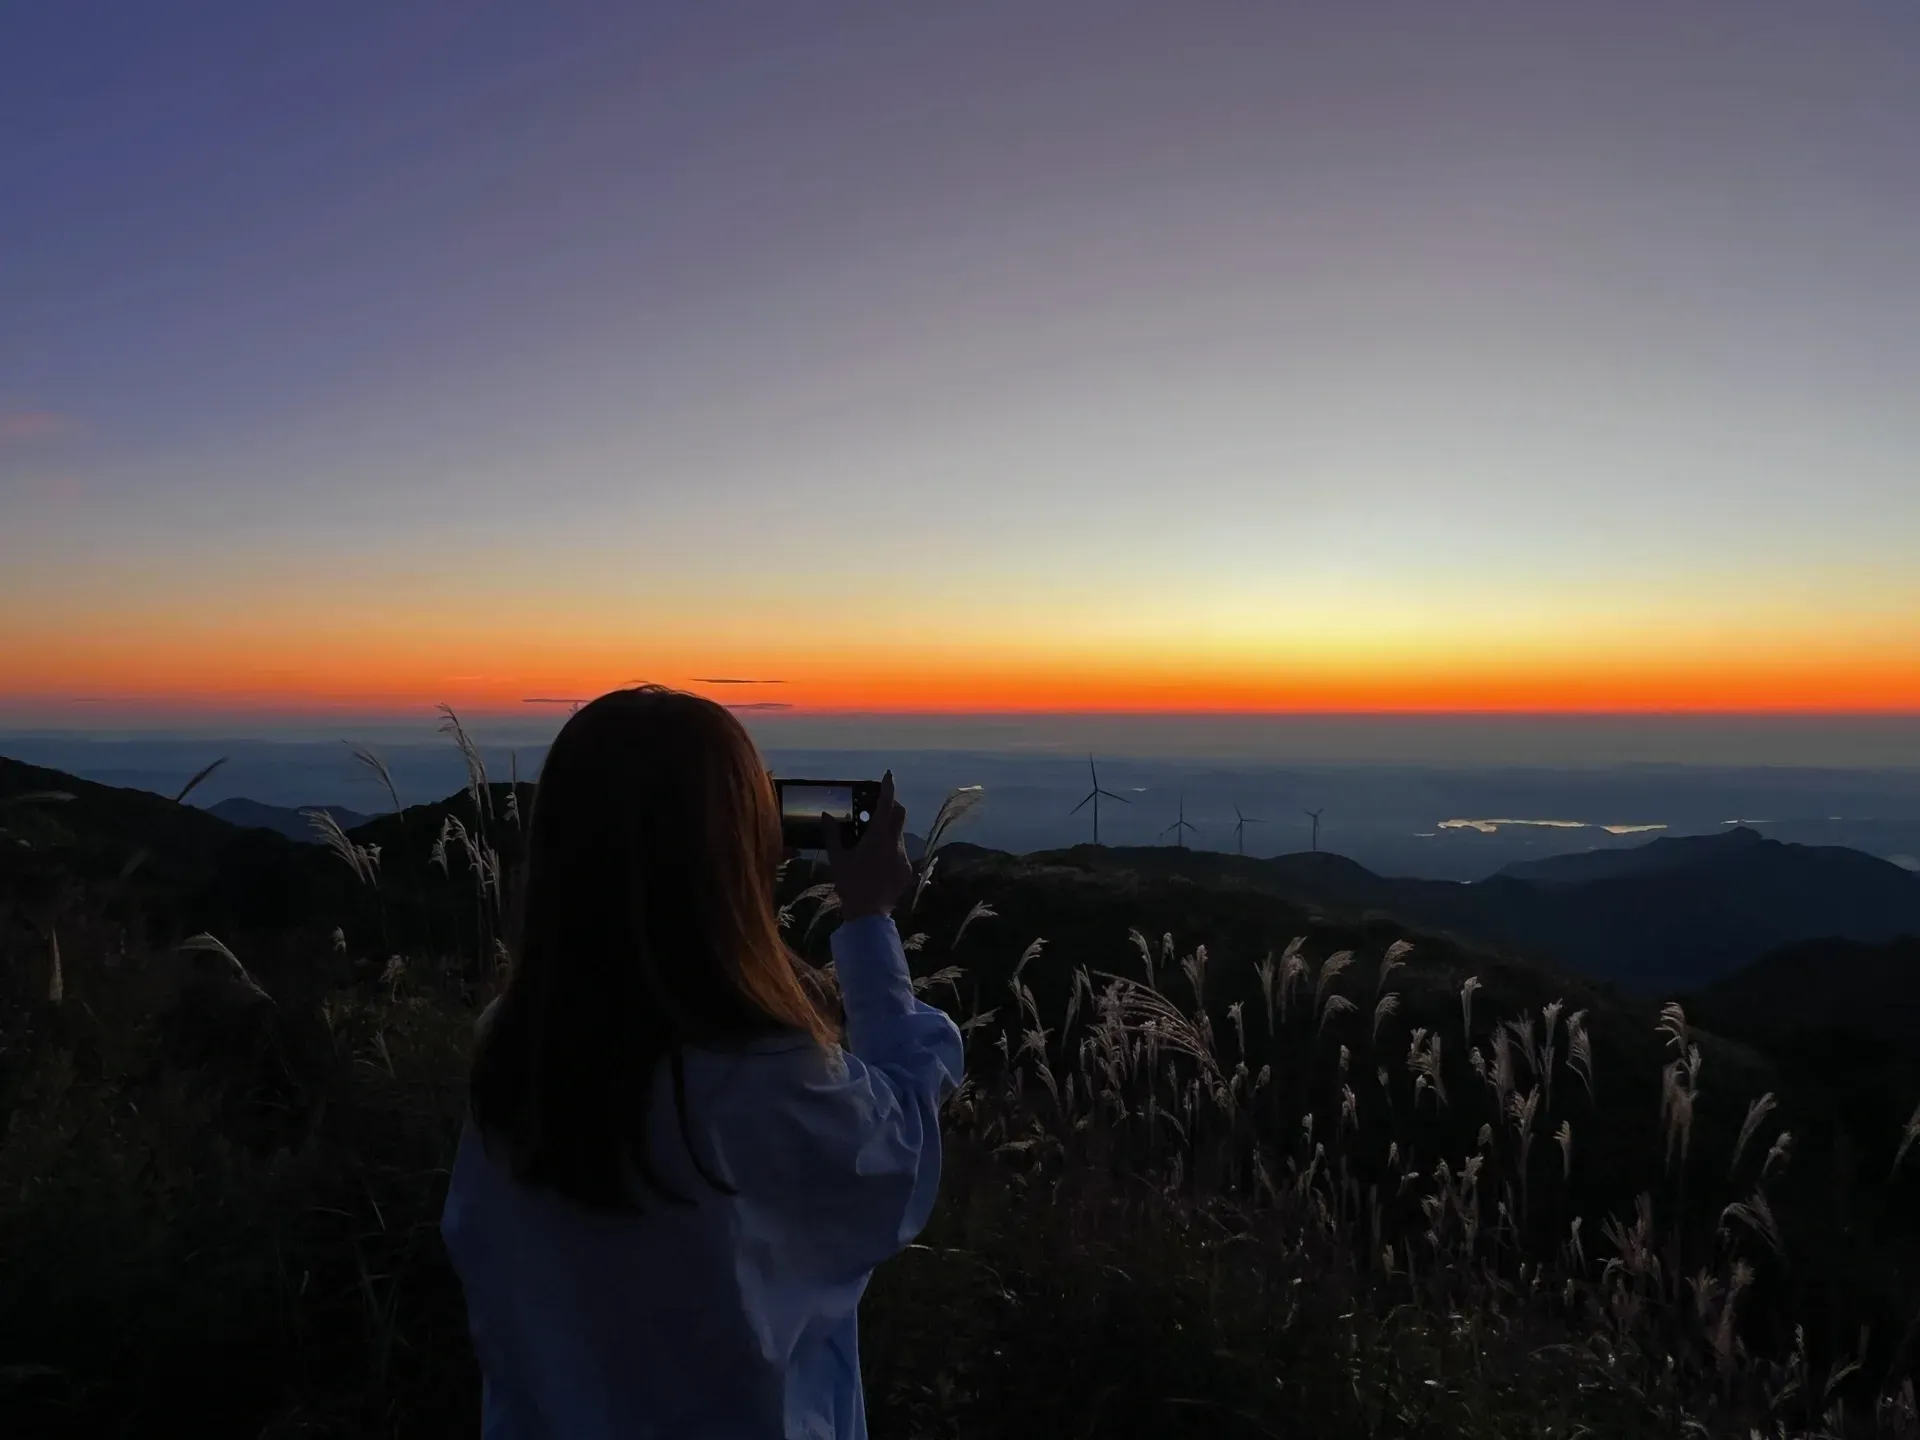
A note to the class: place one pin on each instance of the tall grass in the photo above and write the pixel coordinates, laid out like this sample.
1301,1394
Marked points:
1143,1078
1187,1193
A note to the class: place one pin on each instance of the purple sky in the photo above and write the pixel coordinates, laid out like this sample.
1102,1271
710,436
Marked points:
1264,331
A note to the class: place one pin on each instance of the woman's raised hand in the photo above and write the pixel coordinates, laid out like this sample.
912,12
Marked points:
872,875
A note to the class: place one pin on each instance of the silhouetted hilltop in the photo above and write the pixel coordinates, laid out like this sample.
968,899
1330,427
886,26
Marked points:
99,828
1872,991
1840,1021
1707,909
158,868
1663,918
284,820
1666,853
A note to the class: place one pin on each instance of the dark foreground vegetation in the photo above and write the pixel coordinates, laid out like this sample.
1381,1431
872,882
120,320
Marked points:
1229,1161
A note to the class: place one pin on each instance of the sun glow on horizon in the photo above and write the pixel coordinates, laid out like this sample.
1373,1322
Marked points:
101,678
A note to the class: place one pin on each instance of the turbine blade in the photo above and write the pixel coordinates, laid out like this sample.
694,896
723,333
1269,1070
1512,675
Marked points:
1081,806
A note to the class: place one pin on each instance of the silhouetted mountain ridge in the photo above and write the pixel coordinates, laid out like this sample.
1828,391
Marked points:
1666,918
1665,853
284,820
160,867
105,823
1822,985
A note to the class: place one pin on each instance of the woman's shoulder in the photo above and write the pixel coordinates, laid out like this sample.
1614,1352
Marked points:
783,1052
751,1071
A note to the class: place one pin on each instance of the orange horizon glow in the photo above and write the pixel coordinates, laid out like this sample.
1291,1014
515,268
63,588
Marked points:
1881,680
1181,658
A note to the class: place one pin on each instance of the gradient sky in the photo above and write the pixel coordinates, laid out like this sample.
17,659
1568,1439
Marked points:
999,355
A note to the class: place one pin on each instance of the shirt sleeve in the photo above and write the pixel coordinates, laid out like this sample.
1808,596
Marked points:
837,1162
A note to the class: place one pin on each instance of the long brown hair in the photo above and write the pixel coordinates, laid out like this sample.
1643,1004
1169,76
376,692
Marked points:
647,925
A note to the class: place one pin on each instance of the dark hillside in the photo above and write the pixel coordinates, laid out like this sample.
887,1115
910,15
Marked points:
289,821
1666,853
1841,1021
157,868
1658,920
1683,925
1833,985
1339,1147
99,828
1086,902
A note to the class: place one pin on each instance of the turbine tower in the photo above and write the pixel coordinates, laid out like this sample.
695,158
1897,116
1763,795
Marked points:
1240,823
1314,815
1093,798
1180,826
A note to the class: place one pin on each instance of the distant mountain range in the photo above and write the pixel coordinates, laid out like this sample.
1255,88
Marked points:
282,819
1662,918
1670,917
1666,853
1685,911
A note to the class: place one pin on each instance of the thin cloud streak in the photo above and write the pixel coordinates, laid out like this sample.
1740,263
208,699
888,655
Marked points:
24,425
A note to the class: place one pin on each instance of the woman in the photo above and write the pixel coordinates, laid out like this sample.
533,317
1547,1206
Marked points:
675,1181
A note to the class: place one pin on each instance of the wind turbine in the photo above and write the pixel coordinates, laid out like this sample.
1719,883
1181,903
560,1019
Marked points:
1314,815
1181,824
1093,798
1240,824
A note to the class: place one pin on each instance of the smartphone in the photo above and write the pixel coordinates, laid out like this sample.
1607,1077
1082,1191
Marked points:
847,803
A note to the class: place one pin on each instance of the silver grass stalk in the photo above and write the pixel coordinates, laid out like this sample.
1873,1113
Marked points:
1757,1111
207,944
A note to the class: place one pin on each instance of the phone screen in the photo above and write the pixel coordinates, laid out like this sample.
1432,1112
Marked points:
810,802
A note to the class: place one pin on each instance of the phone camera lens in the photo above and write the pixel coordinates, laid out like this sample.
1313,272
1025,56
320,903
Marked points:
864,817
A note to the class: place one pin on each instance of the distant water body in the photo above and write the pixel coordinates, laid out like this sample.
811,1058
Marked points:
1492,827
